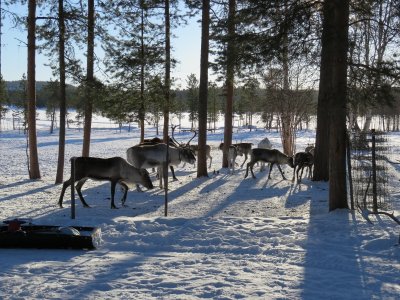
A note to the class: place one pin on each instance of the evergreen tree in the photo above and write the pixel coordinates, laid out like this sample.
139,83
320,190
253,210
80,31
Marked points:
193,98
3,99
134,51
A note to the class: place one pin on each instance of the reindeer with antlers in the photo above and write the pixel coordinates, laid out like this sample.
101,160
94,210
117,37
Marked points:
195,148
148,155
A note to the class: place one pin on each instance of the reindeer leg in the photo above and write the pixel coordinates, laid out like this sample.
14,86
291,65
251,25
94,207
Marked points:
113,185
138,189
251,169
245,158
270,170
66,184
160,171
294,172
247,170
279,167
297,172
125,188
173,172
78,189
210,162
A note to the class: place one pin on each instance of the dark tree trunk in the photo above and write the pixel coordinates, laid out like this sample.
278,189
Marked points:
203,90
229,84
167,71
89,81
321,162
63,104
337,134
142,66
34,172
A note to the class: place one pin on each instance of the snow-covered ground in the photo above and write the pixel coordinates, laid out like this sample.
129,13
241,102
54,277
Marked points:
225,237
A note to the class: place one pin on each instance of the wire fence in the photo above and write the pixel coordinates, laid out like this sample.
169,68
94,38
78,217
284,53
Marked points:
369,176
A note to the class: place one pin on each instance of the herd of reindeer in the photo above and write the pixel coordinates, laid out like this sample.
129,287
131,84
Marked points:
153,153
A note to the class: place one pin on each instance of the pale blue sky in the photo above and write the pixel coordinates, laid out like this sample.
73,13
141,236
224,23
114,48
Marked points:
14,53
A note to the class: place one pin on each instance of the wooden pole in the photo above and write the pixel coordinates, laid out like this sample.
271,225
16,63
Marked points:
73,188
348,152
374,190
165,175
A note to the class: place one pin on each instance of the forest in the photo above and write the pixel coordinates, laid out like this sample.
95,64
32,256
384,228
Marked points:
287,60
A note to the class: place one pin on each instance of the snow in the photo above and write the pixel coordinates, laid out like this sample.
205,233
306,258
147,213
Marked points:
225,237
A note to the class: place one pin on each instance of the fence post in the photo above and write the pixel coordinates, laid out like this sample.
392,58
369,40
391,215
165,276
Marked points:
348,152
73,188
374,190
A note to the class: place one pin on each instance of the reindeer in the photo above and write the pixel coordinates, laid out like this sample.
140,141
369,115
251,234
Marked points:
148,156
264,144
310,148
115,169
302,160
242,149
232,154
195,149
271,156
172,142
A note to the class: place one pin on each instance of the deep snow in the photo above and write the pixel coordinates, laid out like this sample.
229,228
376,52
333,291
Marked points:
225,237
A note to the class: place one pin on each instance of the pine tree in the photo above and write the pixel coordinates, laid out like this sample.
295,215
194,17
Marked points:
203,90
34,170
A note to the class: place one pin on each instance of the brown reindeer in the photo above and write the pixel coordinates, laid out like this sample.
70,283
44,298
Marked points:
115,169
271,156
301,161
242,149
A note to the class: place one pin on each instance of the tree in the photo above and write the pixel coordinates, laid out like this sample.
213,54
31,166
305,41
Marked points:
63,100
134,52
229,83
89,80
373,69
203,90
51,93
332,99
34,171
193,98
250,98
3,98
167,74
155,99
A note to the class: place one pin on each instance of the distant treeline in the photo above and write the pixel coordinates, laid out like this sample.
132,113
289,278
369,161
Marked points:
16,92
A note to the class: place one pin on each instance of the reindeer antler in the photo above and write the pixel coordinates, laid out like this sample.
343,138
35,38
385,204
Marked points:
195,133
172,134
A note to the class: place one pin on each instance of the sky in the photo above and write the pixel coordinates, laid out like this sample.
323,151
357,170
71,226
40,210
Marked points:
186,49
226,237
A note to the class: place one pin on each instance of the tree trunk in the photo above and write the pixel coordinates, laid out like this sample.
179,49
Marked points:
203,90
63,104
229,84
167,71
142,66
337,135
34,172
89,81
321,159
